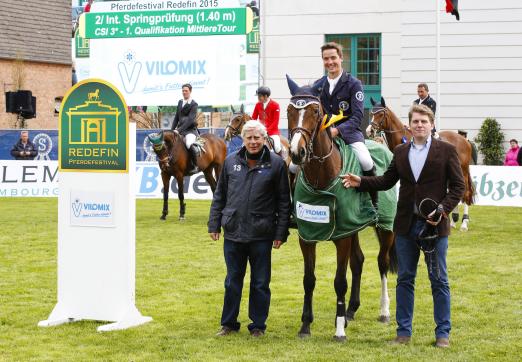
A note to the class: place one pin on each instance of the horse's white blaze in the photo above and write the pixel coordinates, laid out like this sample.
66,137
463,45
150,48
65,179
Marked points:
339,327
297,137
385,298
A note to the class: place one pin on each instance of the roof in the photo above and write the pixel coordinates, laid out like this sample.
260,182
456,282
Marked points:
36,30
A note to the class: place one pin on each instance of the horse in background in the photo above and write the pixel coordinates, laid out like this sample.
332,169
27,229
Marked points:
175,161
320,160
389,127
235,126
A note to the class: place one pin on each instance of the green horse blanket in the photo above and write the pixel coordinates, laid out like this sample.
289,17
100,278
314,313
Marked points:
337,212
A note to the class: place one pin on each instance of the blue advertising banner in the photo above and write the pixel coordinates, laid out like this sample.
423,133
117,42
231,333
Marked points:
46,142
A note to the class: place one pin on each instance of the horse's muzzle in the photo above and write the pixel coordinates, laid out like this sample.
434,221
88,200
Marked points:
299,157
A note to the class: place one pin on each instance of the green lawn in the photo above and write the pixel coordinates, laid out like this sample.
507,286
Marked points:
180,276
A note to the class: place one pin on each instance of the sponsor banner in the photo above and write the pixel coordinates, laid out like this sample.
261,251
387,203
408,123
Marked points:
495,185
28,178
150,185
313,213
45,141
90,208
93,129
150,77
230,21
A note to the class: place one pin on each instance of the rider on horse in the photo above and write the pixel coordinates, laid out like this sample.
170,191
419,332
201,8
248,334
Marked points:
342,92
267,112
186,125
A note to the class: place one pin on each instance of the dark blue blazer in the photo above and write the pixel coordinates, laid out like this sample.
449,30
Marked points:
348,95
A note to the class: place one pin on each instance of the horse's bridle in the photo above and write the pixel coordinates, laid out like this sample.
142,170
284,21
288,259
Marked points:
234,129
168,158
300,102
379,128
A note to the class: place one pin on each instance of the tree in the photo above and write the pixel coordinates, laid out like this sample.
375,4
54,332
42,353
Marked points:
490,139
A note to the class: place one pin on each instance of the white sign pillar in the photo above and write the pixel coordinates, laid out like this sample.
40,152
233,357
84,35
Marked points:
96,247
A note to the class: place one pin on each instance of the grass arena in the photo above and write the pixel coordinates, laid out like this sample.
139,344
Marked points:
179,282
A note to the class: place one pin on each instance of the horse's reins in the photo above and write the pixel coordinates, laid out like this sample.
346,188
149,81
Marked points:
300,102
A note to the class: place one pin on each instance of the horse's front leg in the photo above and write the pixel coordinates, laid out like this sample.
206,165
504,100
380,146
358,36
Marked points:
386,263
166,188
181,196
356,266
341,286
308,250
465,218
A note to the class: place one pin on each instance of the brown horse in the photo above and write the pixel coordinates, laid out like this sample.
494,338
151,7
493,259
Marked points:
321,162
174,161
386,124
235,126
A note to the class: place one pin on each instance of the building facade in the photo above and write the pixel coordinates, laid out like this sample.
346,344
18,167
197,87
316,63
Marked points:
35,55
391,46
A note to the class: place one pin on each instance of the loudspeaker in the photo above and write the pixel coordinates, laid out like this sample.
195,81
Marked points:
24,101
32,113
10,102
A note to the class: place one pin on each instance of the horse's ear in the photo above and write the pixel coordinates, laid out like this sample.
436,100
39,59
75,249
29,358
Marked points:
291,85
316,88
383,103
232,108
242,109
372,101
161,135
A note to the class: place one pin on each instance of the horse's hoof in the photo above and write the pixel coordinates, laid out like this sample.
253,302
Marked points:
350,317
463,228
304,335
182,218
163,217
340,339
453,226
384,319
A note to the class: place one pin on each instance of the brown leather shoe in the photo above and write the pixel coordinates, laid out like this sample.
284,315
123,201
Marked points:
442,343
257,333
401,340
225,331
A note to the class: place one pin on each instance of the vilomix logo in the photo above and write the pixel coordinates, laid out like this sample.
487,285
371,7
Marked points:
130,69
77,207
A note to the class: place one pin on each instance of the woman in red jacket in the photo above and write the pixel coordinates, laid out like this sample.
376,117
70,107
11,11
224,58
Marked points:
267,112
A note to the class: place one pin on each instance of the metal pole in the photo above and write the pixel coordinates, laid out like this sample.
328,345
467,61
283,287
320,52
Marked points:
437,64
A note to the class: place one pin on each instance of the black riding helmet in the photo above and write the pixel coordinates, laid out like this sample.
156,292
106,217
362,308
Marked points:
263,91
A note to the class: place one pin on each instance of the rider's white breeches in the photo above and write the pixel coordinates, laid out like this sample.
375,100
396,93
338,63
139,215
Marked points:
190,139
363,155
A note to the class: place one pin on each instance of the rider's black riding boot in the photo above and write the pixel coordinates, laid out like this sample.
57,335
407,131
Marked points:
373,193
194,153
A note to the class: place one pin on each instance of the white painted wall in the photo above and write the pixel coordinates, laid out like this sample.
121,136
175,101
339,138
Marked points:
292,33
481,55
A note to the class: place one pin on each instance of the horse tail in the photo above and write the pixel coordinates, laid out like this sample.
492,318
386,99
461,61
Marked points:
469,195
392,253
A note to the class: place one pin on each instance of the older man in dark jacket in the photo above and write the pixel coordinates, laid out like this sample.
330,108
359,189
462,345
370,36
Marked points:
24,149
252,204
